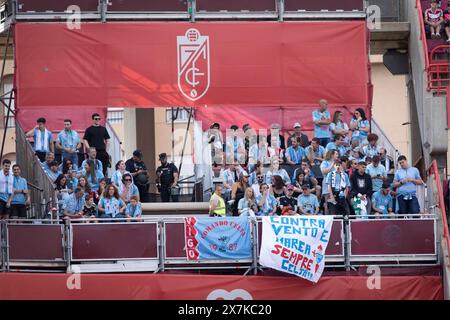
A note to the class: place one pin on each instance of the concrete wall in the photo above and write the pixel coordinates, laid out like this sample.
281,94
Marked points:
390,105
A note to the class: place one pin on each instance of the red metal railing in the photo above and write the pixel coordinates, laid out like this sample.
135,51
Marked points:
438,71
433,171
423,35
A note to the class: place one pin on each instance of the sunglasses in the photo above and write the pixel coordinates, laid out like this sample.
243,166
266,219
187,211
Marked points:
127,179
96,118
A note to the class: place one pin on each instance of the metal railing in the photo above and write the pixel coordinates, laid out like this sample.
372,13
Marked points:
438,71
189,10
384,141
391,11
436,201
114,147
162,243
42,190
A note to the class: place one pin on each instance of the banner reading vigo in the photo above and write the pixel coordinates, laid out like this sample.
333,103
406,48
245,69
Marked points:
217,238
296,245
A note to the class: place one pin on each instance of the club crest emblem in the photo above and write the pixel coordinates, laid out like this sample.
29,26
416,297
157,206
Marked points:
193,64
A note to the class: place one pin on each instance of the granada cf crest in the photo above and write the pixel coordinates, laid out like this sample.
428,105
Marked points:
193,64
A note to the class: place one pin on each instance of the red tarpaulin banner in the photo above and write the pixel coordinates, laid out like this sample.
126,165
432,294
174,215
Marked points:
213,287
81,117
264,117
214,64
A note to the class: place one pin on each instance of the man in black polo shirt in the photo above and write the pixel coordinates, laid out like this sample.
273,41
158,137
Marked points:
167,177
138,170
97,136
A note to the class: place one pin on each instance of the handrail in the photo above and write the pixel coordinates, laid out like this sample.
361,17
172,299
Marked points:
433,170
423,35
433,51
35,187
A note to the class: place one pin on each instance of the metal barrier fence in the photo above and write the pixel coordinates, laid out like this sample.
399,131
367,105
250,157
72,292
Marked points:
158,243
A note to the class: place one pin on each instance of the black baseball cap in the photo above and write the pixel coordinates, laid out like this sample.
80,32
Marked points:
386,185
137,153
306,186
162,156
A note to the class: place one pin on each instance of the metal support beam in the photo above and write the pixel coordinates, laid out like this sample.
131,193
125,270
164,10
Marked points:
103,9
174,117
4,57
192,9
6,125
191,111
280,10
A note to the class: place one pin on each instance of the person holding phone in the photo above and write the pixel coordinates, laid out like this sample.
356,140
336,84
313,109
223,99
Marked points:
377,173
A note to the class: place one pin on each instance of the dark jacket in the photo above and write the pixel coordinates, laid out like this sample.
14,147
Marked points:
361,184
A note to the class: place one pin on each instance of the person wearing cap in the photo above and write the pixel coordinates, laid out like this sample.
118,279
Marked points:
235,147
97,136
304,141
322,119
288,203
217,206
43,141
167,178
138,170
238,191
278,139
434,18
307,202
382,201
377,172
295,153
215,138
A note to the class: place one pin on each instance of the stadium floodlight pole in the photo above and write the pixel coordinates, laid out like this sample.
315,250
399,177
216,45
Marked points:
280,10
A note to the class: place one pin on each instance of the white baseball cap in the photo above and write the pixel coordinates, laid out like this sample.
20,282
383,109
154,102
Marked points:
297,125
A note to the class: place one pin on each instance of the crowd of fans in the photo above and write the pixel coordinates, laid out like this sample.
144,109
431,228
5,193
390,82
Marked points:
342,171
83,187
437,20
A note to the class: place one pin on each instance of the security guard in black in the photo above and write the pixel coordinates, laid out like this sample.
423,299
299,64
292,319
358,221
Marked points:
167,174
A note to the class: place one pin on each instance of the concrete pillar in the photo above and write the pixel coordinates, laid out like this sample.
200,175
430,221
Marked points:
145,140
129,128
